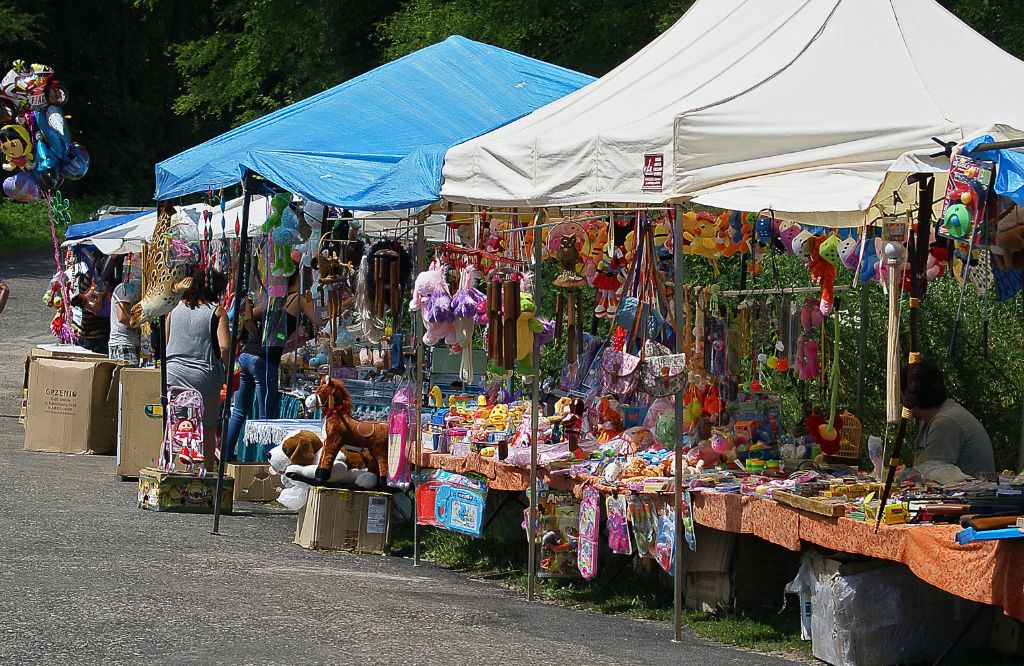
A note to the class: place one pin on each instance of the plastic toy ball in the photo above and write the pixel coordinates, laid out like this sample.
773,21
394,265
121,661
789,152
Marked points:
755,386
746,387
772,362
782,365
966,198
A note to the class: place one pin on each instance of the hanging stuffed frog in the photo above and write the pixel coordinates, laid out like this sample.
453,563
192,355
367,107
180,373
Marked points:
527,326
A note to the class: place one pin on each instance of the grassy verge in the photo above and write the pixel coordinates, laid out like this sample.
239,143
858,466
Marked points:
501,557
27,226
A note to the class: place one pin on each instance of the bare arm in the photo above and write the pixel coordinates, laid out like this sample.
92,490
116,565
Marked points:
5,293
309,310
223,335
124,314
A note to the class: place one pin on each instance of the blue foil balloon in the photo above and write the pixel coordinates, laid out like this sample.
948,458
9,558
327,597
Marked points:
77,164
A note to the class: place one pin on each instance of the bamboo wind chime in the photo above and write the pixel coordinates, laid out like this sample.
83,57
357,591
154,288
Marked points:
920,239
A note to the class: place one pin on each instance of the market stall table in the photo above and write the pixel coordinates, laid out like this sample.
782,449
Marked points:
983,571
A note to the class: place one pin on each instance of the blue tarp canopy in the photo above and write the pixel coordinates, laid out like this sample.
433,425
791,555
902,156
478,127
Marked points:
83,229
1009,168
377,142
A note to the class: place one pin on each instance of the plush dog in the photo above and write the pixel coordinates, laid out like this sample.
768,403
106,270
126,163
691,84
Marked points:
344,431
301,447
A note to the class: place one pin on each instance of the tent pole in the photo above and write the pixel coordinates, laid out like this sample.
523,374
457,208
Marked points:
677,454
417,324
229,363
531,529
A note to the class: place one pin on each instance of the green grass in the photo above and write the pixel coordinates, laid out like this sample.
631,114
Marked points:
501,557
27,226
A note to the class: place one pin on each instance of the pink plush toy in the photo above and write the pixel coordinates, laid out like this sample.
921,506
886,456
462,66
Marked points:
431,298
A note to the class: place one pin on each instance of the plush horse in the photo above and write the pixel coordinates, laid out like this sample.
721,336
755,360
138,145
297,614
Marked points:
342,430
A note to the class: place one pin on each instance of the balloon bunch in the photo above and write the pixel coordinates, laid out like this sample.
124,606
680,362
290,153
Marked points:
34,136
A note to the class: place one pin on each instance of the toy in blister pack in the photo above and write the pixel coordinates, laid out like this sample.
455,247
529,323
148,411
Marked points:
664,546
589,527
558,516
963,209
619,540
642,515
452,502
399,429
183,436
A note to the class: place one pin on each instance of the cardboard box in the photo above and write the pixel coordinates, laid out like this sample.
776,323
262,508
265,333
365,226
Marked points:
182,493
254,482
71,407
139,435
51,351
342,519
707,591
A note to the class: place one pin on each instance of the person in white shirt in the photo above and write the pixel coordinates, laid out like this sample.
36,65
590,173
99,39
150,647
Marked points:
124,338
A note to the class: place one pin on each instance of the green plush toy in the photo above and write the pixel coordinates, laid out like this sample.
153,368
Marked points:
282,227
527,326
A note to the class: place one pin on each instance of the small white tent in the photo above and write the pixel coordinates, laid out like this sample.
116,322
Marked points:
803,106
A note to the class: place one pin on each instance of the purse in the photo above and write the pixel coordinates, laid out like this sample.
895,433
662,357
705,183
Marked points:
662,374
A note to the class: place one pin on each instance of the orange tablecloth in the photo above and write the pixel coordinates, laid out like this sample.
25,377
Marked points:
990,572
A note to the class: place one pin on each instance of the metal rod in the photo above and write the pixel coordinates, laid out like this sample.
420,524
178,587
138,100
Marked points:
229,362
778,291
534,425
677,439
417,324
999,145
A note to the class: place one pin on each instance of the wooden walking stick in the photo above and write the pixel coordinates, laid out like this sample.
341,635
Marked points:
510,306
920,239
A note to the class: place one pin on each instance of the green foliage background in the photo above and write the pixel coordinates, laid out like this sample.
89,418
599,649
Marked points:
149,78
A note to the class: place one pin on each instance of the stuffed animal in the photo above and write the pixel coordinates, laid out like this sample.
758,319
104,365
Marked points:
788,231
289,234
802,245
527,326
610,418
344,431
849,252
301,447
435,310
823,271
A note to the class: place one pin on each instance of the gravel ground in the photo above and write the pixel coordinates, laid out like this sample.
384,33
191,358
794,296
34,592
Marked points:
85,577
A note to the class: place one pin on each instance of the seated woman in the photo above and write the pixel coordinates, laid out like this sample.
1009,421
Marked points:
197,343
260,359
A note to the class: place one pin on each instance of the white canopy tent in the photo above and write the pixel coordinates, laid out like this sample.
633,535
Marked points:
130,236
802,106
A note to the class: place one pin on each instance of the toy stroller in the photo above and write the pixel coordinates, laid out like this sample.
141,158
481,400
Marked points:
184,434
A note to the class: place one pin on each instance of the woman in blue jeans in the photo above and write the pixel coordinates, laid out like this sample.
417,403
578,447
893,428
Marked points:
260,358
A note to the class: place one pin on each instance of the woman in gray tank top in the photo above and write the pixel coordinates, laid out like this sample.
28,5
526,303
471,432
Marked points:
197,341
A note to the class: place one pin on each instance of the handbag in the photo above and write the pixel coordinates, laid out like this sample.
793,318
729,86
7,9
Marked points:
620,372
662,374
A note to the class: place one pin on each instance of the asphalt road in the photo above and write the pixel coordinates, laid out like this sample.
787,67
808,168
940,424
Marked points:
86,577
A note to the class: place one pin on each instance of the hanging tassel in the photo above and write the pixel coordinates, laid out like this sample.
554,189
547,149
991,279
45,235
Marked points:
559,314
494,349
571,308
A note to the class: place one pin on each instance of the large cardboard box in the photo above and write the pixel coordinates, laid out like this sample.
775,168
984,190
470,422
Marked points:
714,552
182,493
51,351
254,482
342,519
71,407
140,428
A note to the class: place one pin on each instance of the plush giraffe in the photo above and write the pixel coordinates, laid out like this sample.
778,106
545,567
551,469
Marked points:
162,283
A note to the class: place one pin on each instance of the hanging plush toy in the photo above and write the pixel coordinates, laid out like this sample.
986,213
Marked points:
823,271
707,240
285,237
527,326
465,306
430,297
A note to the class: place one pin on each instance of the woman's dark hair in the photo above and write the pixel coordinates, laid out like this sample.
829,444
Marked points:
206,287
931,385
